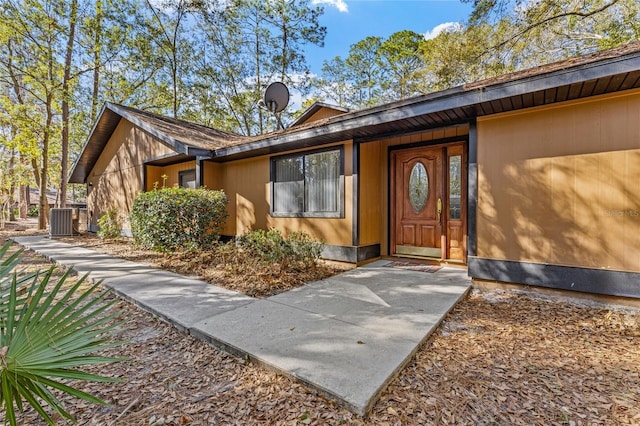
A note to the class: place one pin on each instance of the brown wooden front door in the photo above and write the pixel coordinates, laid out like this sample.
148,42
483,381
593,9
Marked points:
428,202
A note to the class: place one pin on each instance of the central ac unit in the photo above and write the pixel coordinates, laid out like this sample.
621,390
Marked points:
61,222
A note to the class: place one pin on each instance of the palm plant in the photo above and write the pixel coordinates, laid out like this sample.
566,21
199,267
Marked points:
46,333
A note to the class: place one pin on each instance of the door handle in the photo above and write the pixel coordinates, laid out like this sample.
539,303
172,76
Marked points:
439,208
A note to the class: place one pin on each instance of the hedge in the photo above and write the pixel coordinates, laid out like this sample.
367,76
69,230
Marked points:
270,246
178,218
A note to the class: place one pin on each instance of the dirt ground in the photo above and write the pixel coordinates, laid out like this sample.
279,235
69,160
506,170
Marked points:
500,357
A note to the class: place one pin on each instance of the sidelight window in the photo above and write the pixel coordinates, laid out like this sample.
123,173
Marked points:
455,180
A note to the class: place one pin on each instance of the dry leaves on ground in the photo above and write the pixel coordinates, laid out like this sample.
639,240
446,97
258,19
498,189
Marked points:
500,357
225,267
515,358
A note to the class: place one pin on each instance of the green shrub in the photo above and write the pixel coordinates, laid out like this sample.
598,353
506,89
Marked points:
271,247
305,248
33,212
47,333
171,218
109,224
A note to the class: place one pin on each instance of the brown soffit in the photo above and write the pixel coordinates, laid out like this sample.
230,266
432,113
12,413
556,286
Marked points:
184,137
599,73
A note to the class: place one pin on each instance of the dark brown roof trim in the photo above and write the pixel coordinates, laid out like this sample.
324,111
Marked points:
124,113
317,106
80,169
168,159
462,98
109,118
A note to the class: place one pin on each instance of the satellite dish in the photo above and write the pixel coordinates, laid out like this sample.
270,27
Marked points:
276,97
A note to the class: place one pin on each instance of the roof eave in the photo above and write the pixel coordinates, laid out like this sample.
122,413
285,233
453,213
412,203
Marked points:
79,173
87,159
345,126
175,144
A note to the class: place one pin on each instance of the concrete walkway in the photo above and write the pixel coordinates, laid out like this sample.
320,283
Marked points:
346,336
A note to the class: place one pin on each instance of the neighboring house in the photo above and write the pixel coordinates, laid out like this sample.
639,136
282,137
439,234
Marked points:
532,177
33,199
318,111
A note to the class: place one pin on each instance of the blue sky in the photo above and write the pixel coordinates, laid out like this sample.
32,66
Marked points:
349,21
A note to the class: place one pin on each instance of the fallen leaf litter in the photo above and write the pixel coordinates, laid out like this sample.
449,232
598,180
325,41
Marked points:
500,357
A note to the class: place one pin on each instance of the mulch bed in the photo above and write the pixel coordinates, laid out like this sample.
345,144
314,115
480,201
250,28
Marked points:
500,357
226,267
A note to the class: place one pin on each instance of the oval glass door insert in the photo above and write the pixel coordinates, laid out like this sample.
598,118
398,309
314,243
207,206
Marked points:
418,187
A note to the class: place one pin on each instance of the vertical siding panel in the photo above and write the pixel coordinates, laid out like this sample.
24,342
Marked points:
153,176
173,171
450,132
559,184
370,192
212,175
117,176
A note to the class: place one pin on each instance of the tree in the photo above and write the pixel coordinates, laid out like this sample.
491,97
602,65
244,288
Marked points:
366,70
66,95
124,58
531,33
456,57
401,56
166,29
336,83
247,45
376,71
96,36
16,141
30,61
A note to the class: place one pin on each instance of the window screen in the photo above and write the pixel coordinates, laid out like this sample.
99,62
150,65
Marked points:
187,178
308,184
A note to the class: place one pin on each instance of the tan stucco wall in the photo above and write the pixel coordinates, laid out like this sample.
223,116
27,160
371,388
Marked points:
172,173
211,175
560,184
119,172
374,181
246,183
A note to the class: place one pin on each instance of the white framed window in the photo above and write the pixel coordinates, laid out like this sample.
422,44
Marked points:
308,184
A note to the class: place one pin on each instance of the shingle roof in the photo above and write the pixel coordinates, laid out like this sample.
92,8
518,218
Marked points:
597,73
559,65
186,132
184,137
594,74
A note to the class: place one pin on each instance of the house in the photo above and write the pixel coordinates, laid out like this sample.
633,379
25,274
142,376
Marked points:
531,177
32,198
